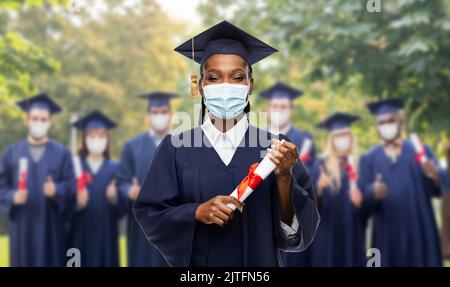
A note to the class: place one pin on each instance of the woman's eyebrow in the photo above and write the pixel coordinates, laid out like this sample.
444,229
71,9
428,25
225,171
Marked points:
212,70
238,70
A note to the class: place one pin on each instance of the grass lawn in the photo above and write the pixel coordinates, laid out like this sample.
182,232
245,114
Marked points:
4,253
123,251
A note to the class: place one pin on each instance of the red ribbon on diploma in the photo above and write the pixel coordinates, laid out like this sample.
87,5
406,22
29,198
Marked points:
22,181
351,172
304,157
83,180
420,154
252,180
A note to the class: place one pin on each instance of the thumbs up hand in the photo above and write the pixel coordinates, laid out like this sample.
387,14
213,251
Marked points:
356,197
82,199
49,187
111,191
324,181
134,189
379,187
20,197
431,170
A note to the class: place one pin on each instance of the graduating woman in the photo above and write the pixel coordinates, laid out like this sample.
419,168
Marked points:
340,237
94,226
183,206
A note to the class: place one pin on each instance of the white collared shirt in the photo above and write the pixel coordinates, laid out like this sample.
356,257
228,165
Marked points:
226,144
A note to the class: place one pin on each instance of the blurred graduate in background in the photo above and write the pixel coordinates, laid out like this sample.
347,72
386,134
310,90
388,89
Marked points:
340,239
280,109
398,187
99,206
37,188
183,207
137,155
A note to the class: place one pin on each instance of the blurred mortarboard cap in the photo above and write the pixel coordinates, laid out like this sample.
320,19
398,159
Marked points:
385,106
225,38
280,90
94,120
338,121
158,99
40,101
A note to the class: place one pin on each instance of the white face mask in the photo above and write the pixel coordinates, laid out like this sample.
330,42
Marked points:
388,131
96,145
39,130
160,122
279,119
342,143
226,101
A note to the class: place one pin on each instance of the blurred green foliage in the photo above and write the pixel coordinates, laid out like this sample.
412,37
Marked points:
106,59
343,56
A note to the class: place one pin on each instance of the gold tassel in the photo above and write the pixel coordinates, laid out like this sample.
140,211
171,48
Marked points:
194,86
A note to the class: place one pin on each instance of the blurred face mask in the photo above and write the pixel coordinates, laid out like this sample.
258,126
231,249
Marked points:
38,129
342,143
388,131
279,119
96,145
226,101
160,122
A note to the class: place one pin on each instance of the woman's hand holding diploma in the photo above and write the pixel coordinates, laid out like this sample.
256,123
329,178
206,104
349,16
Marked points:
284,155
216,210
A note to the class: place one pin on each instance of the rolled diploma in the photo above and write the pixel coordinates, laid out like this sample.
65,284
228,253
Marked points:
78,172
352,168
23,170
418,147
306,148
265,167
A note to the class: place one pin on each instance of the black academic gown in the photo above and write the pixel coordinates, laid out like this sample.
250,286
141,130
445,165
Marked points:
301,259
187,171
137,155
94,230
37,229
404,226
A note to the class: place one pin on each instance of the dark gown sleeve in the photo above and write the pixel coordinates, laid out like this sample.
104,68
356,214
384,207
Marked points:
6,184
436,189
324,200
167,221
125,173
66,186
365,183
121,206
305,207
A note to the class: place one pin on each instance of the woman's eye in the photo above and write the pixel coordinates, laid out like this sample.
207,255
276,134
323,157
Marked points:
213,78
238,78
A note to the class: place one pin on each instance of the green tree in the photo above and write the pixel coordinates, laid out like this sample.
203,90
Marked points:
107,58
20,61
